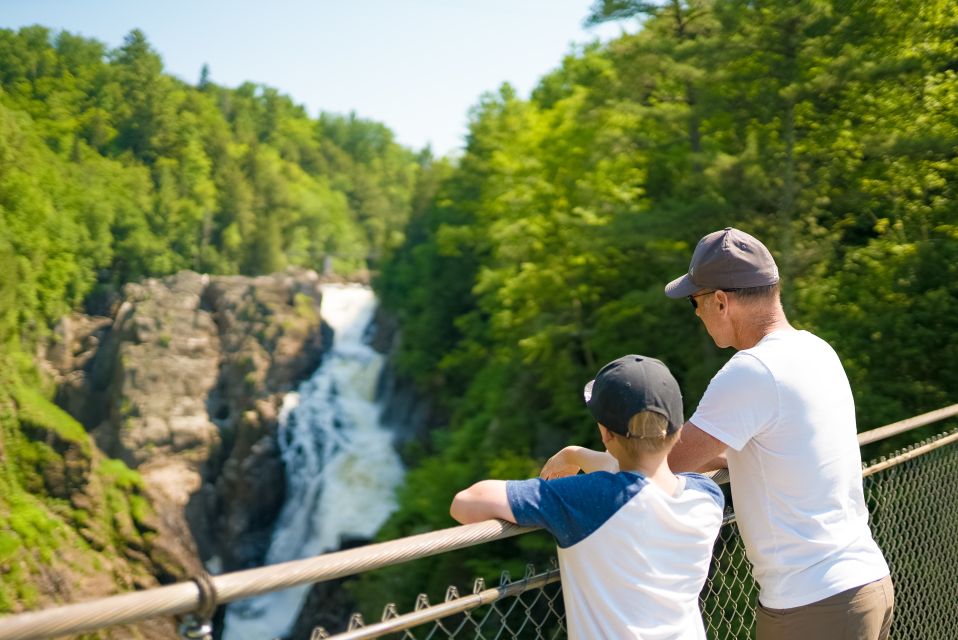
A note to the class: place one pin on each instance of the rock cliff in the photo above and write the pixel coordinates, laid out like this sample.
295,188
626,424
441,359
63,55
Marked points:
183,382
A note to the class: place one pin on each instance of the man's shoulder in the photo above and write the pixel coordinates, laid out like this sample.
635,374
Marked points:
789,355
788,341
749,366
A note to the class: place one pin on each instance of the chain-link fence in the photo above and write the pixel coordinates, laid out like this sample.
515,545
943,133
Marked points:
914,516
913,500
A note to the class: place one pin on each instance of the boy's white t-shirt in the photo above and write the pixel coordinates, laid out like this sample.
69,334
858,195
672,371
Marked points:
785,409
633,559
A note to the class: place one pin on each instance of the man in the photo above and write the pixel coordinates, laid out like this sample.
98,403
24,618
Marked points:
781,415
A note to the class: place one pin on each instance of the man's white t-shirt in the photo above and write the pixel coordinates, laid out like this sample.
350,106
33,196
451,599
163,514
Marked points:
785,409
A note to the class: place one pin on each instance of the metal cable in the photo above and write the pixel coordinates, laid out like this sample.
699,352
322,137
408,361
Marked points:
243,584
910,453
187,596
88,616
902,426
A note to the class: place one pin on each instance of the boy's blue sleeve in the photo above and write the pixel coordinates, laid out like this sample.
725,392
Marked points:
571,508
706,485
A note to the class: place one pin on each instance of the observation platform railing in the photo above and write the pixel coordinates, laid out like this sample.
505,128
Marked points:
912,497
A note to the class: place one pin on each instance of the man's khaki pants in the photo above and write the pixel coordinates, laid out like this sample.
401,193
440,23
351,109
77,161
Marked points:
862,613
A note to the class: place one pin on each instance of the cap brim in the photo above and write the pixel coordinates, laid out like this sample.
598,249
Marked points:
681,287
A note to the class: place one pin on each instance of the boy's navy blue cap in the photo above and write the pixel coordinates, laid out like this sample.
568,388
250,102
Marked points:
632,384
726,259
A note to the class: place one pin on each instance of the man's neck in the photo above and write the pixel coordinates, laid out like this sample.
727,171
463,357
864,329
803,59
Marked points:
750,334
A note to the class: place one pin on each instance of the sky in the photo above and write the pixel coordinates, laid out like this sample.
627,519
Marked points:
415,65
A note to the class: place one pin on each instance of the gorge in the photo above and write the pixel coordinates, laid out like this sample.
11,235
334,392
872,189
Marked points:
202,384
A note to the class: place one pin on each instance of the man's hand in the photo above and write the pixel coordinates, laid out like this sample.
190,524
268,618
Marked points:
570,460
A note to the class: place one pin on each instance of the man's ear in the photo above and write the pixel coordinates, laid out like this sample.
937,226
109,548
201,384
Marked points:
721,299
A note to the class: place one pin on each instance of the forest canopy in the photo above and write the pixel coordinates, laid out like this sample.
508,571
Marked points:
112,170
828,129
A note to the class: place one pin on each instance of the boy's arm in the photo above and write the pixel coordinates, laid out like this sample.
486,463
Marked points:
482,501
571,459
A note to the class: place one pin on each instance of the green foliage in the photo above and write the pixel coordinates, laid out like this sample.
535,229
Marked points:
111,170
48,465
120,475
305,308
33,409
825,128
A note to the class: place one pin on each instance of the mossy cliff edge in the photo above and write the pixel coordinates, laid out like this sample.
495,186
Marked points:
74,524
141,443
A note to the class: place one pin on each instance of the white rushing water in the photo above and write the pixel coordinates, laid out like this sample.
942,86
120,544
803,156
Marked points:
341,468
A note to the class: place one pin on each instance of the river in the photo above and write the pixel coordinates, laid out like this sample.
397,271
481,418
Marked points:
341,467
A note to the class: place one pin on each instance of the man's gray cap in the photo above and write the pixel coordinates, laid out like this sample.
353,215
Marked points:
726,259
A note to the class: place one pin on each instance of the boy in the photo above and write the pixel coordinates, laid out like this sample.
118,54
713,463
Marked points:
634,546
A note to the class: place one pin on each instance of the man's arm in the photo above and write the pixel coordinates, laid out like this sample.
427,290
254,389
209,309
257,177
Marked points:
697,451
571,459
482,501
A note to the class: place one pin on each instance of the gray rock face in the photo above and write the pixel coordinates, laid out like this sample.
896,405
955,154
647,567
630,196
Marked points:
408,414
184,382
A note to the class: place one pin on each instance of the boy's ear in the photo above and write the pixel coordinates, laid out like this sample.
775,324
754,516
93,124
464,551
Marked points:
606,435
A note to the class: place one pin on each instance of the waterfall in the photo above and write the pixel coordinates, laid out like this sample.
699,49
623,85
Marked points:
341,468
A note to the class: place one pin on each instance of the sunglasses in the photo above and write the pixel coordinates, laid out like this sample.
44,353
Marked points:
695,303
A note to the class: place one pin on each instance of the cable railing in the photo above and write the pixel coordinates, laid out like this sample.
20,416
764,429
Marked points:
534,606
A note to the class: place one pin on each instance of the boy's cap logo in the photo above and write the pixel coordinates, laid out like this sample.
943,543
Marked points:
587,392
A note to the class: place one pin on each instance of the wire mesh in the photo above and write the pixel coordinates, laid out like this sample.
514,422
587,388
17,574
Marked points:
528,608
914,517
537,613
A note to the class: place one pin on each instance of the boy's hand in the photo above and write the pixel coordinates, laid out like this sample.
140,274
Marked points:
561,464
570,460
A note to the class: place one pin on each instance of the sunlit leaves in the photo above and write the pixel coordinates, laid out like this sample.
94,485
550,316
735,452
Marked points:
111,170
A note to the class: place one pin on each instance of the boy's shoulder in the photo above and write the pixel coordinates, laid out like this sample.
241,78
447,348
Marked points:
587,488
572,508
703,483
620,485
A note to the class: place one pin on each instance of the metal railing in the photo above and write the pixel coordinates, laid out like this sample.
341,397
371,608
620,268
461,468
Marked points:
914,514
913,500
